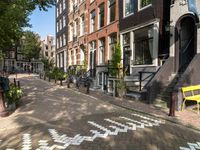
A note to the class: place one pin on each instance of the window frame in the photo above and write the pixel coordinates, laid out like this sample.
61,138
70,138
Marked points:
101,16
124,6
82,25
92,21
141,8
111,5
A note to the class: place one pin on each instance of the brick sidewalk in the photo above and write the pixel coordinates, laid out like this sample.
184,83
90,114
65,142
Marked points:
186,118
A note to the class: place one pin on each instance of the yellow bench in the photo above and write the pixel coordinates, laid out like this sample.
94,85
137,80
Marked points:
191,93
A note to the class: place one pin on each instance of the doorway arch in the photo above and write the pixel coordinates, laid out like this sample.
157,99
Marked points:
185,38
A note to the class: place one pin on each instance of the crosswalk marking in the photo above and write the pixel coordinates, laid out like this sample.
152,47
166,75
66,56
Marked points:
192,146
62,141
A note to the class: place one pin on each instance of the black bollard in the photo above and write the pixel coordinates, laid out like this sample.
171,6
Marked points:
15,82
61,83
18,84
172,105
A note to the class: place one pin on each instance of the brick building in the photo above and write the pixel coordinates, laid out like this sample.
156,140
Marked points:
103,33
61,33
78,29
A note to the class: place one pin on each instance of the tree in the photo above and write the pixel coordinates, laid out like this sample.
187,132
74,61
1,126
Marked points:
30,45
14,17
116,59
48,64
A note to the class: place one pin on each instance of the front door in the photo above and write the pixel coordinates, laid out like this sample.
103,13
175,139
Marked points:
186,42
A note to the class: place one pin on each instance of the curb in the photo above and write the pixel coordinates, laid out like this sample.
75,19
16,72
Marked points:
172,119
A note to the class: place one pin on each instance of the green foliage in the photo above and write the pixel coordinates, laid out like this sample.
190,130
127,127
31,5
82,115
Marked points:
145,2
14,94
30,45
58,74
116,59
14,16
48,64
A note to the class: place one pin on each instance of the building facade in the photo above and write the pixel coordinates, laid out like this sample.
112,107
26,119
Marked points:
61,33
78,30
48,48
143,35
185,45
15,61
103,34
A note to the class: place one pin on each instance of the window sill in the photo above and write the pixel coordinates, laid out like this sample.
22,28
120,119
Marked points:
125,16
140,9
139,66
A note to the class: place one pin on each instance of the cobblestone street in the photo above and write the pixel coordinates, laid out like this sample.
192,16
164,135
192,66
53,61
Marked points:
51,117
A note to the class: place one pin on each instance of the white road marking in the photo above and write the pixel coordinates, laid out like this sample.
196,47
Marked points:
62,141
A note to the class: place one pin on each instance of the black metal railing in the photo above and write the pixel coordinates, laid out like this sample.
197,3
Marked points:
146,78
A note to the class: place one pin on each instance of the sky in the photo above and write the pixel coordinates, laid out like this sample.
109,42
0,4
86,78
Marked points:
43,22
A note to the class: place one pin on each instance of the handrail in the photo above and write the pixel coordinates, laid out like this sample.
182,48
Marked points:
184,50
141,79
145,72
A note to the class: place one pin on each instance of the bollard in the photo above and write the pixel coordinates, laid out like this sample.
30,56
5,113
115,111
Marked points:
18,84
15,82
88,87
61,83
49,79
172,104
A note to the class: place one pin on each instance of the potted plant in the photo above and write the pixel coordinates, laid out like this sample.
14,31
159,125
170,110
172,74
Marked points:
13,96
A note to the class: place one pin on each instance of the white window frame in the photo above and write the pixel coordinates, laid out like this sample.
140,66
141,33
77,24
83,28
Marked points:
99,18
124,2
64,22
92,21
57,26
101,54
82,25
109,12
71,5
64,4
64,40
141,8
71,32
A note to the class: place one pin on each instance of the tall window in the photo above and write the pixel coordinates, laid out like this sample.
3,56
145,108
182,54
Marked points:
64,4
101,15
92,21
57,43
76,28
77,57
60,24
57,26
144,3
112,8
128,7
82,25
102,51
61,41
143,47
57,11
64,21
60,8
64,39
71,32
71,5
112,42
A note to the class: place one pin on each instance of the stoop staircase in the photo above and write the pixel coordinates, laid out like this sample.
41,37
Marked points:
164,97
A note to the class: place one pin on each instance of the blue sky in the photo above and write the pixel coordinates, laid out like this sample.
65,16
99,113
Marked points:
43,22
